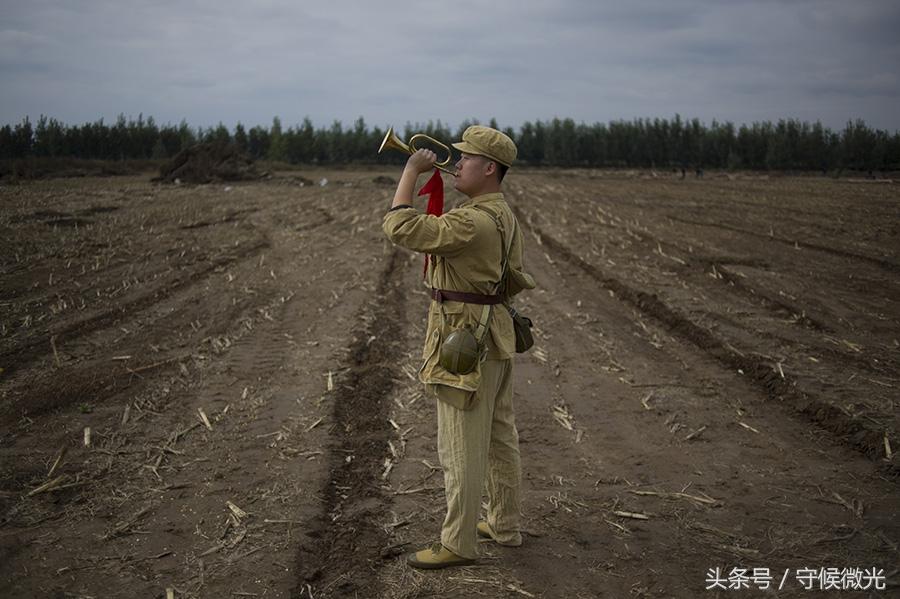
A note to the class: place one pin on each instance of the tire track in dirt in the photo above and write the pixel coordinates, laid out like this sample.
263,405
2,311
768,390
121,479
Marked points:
630,403
39,345
342,560
802,315
774,304
250,344
885,264
776,386
92,380
716,265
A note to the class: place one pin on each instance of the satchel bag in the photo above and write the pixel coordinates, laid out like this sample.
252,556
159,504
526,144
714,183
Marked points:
522,327
521,324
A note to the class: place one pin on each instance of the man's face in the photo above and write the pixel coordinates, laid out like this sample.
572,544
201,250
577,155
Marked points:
471,173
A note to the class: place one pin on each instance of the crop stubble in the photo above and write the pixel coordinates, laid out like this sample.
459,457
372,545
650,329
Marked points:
712,357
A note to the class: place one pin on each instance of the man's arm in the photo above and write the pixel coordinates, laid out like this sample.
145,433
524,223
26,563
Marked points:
419,162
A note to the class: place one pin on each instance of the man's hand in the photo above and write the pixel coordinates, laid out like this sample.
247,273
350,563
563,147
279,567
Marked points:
421,161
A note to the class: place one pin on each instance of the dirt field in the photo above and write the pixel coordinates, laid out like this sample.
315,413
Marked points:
714,386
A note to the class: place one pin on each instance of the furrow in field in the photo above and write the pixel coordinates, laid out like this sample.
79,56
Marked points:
880,262
863,435
344,557
39,342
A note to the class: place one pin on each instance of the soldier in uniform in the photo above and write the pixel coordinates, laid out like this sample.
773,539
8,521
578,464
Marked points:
474,266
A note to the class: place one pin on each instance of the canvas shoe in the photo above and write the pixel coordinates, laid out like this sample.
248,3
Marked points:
485,532
435,557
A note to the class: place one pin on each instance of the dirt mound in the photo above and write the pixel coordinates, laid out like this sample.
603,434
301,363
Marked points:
208,162
383,180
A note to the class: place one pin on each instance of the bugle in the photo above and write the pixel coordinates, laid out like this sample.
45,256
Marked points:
391,141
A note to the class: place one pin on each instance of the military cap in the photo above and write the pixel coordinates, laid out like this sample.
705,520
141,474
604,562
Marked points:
489,142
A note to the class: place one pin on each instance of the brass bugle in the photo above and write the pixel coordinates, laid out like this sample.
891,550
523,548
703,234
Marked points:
392,142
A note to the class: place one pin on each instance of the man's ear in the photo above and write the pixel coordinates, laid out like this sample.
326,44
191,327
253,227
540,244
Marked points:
491,168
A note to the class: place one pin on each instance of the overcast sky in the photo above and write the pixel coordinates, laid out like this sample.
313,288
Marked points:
391,62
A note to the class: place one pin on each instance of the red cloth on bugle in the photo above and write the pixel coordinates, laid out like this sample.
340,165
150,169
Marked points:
435,188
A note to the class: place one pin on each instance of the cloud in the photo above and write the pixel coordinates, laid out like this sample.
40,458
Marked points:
393,62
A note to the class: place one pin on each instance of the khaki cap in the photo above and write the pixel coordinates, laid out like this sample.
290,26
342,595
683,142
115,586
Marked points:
489,142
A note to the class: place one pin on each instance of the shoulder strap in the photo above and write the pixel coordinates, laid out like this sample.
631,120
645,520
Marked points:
505,246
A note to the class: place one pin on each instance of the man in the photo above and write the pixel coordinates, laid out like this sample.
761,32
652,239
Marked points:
468,249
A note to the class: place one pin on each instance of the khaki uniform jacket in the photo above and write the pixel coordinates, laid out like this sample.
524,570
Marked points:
467,255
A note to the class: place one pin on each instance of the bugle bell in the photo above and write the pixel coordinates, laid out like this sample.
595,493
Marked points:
392,142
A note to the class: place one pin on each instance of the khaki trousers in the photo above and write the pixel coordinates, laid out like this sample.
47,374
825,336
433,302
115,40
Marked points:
479,449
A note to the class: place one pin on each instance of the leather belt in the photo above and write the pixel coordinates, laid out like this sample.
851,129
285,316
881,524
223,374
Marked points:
443,295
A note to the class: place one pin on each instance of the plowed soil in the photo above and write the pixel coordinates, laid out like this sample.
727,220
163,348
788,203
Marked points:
210,391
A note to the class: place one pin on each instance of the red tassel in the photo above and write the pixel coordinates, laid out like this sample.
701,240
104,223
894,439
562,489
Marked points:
435,188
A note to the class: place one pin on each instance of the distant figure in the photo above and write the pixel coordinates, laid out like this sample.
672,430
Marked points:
682,172
699,172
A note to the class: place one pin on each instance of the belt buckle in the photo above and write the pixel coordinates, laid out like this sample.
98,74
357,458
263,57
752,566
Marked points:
438,296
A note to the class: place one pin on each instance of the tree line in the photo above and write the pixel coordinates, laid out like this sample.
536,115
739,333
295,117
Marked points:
788,144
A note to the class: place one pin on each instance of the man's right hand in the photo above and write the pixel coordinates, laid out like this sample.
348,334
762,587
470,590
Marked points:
421,161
